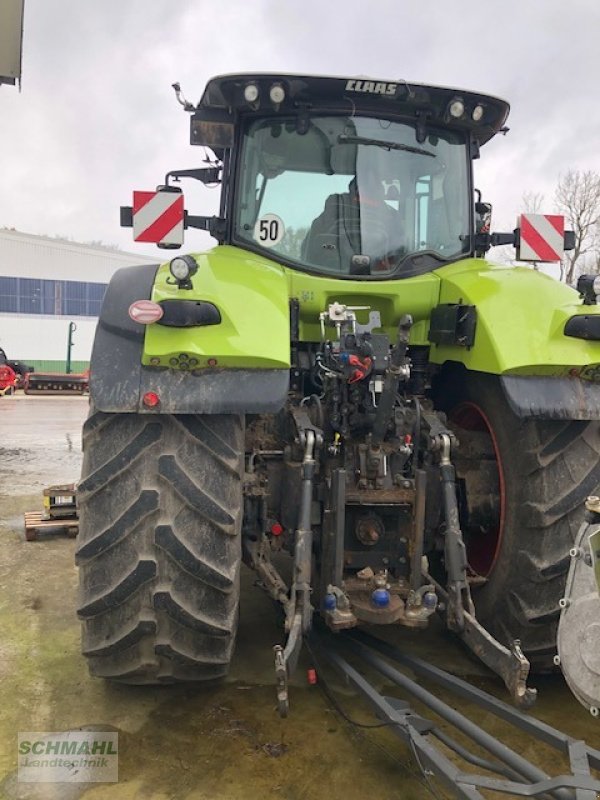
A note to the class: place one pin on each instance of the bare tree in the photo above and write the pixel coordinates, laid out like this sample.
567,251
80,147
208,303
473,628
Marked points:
578,198
533,202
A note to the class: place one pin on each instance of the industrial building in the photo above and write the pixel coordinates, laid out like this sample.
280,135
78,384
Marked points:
46,283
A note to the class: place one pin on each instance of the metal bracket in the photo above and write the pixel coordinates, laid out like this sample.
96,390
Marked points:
281,678
341,316
511,665
304,424
286,661
373,323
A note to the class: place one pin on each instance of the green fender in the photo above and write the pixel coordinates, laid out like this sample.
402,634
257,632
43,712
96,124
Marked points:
251,295
520,321
239,365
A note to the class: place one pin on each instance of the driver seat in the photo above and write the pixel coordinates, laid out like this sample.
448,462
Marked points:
334,235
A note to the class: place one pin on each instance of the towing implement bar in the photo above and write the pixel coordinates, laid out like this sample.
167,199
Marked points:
507,771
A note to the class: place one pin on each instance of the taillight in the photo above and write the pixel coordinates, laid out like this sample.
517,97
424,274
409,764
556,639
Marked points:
145,312
151,400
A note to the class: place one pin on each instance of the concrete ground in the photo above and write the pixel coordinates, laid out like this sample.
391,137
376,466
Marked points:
220,742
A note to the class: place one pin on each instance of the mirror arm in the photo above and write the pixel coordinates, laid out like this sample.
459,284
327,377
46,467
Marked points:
205,174
215,226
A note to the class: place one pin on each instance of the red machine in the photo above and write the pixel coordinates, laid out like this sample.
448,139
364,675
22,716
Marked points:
8,379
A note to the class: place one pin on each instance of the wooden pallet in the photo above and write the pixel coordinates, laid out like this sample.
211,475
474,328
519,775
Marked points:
36,526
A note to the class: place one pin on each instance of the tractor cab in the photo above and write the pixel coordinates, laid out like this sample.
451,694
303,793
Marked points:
344,177
347,177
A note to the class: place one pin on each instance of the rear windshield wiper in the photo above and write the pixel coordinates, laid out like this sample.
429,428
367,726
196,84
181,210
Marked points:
345,139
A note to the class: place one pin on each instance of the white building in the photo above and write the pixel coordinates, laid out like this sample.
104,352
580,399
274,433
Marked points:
44,285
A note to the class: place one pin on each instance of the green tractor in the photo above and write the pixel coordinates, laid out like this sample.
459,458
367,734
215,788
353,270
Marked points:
344,380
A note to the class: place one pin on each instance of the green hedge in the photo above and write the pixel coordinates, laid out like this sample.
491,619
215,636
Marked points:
56,366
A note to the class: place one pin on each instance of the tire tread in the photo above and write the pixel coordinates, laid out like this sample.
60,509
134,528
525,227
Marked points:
550,467
160,506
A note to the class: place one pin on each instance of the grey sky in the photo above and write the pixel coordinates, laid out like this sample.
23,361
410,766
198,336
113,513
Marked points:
97,116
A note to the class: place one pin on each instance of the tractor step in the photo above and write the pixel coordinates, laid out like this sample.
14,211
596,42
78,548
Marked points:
502,769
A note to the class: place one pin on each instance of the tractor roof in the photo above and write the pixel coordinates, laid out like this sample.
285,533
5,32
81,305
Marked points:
483,115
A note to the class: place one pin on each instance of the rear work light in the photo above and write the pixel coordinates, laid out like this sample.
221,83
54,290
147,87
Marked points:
251,93
277,94
456,108
145,312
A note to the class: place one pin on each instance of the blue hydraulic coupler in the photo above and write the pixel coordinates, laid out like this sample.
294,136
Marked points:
330,602
380,598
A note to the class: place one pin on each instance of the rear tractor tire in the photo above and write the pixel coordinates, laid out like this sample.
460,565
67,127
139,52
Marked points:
524,483
160,505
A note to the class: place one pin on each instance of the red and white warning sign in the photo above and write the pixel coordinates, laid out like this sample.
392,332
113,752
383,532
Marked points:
542,237
158,217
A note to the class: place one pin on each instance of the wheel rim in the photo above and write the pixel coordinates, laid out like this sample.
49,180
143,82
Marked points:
483,541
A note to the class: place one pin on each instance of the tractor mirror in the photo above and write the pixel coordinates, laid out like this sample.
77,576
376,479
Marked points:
212,128
483,213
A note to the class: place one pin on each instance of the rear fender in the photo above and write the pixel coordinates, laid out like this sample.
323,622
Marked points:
519,335
119,380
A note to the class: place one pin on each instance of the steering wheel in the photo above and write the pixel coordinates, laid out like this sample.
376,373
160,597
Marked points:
379,234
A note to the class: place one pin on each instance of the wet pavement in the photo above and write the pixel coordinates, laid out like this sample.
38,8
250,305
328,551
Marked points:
221,742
